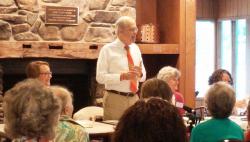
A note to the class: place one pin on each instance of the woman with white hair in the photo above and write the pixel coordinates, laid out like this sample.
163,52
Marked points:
171,76
68,130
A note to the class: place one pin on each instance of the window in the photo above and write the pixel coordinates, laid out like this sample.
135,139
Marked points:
233,53
240,65
205,54
225,57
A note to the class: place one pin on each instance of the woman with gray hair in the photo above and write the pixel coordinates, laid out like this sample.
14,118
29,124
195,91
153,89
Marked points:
220,100
31,112
171,76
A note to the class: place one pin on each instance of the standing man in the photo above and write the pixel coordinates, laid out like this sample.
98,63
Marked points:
39,70
120,68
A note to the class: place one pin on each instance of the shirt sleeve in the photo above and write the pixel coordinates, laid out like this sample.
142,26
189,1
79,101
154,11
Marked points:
143,78
102,74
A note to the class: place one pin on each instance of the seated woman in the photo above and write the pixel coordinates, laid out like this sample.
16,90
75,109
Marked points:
220,100
31,112
225,76
220,75
171,76
68,130
156,88
152,120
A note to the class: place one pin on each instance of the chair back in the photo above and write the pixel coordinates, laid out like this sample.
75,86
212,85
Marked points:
231,140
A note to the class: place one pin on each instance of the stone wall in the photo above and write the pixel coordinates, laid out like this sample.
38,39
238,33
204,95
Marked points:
1,81
23,20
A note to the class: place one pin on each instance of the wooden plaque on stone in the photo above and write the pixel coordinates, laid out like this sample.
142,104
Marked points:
61,15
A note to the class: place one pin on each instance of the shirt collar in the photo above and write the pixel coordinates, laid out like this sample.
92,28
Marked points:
64,117
119,42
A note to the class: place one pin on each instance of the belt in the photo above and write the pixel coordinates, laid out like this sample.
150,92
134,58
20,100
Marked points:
121,93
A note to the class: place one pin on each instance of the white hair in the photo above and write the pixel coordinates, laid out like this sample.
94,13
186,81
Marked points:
124,21
168,72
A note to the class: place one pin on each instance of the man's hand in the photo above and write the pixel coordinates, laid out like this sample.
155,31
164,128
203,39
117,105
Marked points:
137,69
135,72
131,75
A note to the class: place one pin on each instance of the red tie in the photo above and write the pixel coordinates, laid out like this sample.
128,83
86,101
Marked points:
133,83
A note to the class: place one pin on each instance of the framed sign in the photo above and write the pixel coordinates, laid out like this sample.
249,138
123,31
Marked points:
61,15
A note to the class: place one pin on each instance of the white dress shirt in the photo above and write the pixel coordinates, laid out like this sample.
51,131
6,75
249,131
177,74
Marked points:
112,61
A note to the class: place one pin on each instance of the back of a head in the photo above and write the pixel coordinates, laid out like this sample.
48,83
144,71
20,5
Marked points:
30,110
65,96
168,72
156,88
154,120
33,68
220,100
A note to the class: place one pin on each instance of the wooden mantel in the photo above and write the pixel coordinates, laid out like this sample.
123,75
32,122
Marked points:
70,50
66,50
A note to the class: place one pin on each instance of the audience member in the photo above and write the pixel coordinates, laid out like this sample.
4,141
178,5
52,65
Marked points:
31,112
156,88
39,70
120,68
1,109
220,75
152,120
247,132
224,75
220,100
68,130
171,75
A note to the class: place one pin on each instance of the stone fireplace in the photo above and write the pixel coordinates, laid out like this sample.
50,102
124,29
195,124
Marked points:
78,75
24,20
71,50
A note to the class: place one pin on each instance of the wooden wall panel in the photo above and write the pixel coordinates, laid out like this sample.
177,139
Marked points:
233,8
242,8
146,13
212,9
169,31
205,9
234,5
222,9
245,3
190,53
228,8
199,7
248,7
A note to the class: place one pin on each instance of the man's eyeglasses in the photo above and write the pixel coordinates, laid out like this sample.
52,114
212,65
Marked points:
133,29
46,73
